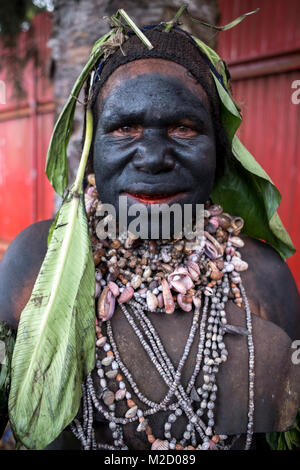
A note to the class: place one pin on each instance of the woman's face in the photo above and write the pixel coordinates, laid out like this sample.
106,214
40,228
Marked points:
154,140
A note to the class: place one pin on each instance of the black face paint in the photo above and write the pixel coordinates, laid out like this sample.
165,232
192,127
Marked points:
155,164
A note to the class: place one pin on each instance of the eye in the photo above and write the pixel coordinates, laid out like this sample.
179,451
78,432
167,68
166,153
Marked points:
182,131
134,131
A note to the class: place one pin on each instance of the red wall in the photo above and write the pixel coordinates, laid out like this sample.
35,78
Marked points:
263,54
25,129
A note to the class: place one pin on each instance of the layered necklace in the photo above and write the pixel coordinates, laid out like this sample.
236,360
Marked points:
160,277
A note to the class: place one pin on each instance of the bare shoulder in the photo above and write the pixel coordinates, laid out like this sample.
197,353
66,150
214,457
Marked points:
270,286
19,268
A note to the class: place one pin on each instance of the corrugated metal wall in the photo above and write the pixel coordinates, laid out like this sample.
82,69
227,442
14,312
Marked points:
25,129
263,53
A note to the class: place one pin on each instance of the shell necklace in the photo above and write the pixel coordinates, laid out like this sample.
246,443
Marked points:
160,276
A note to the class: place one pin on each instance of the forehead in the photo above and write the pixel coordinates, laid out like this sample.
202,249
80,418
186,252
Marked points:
153,66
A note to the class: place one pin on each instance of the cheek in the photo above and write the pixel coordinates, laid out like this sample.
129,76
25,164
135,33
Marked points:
203,159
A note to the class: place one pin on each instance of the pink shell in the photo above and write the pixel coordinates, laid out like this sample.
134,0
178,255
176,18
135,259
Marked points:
160,300
194,270
126,295
106,304
185,281
196,301
114,288
168,298
187,307
152,301
158,444
120,394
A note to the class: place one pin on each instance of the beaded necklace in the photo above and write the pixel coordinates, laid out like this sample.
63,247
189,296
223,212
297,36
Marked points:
160,276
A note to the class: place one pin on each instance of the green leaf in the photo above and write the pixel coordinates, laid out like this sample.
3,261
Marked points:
227,26
57,164
272,440
55,345
245,189
55,342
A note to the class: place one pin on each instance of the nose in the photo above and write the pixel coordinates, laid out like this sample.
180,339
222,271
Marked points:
154,153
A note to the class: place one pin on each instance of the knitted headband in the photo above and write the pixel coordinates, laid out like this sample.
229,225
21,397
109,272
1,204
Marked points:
175,46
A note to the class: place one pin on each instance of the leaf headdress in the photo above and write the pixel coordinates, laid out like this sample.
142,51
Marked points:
55,348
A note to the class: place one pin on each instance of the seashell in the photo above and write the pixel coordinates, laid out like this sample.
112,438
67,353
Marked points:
114,288
220,248
215,274
197,301
111,374
91,192
239,265
152,301
147,272
215,210
194,270
91,179
136,281
115,244
158,444
126,295
132,263
237,225
185,281
98,274
152,247
160,300
122,263
214,221
230,251
168,298
167,268
187,307
195,257
108,397
131,412
142,426
97,290
101,341
129,241
225,220
88,202
210,250
165,256
178,286
219,263
236,241
107,360
208,291
106,305
120,394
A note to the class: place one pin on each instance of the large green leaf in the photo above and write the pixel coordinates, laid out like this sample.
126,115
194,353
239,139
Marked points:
245,189
55,342
55,345
57,163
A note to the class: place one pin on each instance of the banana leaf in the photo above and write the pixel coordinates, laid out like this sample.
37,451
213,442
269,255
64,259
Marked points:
55,344
244,188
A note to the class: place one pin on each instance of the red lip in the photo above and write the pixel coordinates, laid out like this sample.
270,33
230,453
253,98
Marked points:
154,198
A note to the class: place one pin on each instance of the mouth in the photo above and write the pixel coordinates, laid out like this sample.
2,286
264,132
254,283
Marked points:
156,198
